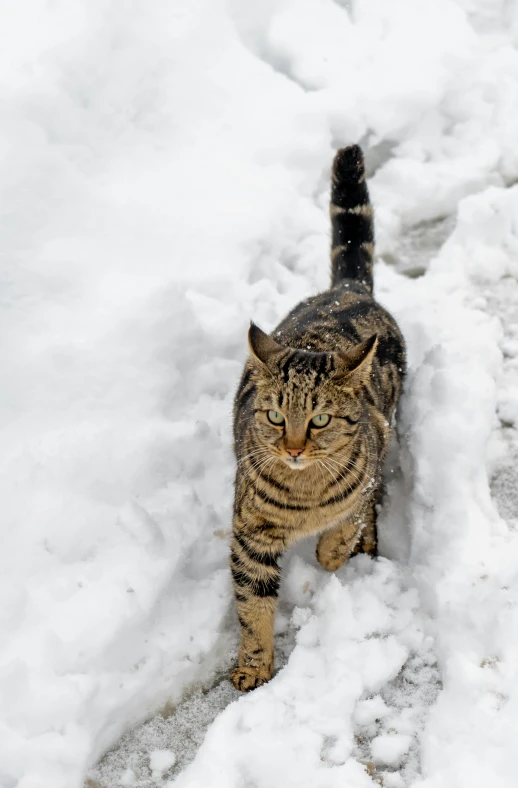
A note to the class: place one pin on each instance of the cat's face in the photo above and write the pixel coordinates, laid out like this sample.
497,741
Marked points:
307,408
299,423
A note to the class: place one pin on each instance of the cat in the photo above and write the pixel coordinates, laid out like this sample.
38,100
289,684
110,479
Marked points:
312,420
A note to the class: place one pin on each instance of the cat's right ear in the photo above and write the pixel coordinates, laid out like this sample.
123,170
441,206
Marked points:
262,347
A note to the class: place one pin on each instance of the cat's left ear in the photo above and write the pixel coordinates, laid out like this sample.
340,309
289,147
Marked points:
355,366
262,346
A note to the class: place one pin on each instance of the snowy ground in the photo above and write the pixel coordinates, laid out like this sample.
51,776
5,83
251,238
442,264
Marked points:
163,180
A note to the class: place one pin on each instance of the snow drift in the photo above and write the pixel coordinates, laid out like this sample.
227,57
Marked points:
164,179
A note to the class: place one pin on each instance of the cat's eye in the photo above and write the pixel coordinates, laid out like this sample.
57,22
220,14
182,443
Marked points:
275,417
322,420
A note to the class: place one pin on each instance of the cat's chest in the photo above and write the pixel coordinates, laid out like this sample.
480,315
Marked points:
303,509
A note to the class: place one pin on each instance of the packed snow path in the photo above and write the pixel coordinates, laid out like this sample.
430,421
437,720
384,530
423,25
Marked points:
164,179
389,712
404,698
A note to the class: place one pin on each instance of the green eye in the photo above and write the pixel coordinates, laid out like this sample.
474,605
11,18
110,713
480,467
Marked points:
322,420
275,417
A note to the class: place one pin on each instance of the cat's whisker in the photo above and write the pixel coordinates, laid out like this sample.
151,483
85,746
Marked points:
335,479
273,461
349,468
343,464
349,463
258,458
260,450
257,466
322,462
349,486
252,462
318,464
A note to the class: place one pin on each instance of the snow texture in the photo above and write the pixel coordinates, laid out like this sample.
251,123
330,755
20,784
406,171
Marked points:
163,180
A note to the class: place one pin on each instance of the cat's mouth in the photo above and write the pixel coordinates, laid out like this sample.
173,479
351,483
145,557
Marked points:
297,463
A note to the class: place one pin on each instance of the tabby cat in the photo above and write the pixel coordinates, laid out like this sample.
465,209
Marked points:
312,423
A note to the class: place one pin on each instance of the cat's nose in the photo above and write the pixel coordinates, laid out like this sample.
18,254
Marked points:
294,452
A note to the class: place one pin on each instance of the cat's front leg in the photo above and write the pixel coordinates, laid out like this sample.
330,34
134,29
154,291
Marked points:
338,544
256,577
357,533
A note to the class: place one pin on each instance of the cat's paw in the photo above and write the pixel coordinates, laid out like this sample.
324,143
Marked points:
330,561
246,679
331,554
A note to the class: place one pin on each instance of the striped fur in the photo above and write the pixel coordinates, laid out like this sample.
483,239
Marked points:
338,353
352,220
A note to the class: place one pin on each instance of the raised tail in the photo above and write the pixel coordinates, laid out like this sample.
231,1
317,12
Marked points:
352,220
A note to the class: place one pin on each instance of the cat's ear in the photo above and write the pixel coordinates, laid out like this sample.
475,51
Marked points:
263,347
355,366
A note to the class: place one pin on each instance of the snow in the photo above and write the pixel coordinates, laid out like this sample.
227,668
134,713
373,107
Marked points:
357,633
160,761
388,750
164,179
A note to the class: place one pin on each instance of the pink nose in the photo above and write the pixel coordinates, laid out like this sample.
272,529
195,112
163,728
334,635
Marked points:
294,452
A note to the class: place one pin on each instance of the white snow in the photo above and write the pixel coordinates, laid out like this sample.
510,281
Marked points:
160,761
388,750
370,710
163,179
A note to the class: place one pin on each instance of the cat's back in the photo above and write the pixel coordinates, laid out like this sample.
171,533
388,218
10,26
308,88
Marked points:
340,318
347,314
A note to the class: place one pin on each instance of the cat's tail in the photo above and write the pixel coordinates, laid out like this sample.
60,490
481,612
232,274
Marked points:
352,220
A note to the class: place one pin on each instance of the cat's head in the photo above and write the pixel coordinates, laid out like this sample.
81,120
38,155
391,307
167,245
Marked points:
308,406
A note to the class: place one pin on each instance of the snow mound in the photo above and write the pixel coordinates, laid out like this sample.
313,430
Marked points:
354,637
164,179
